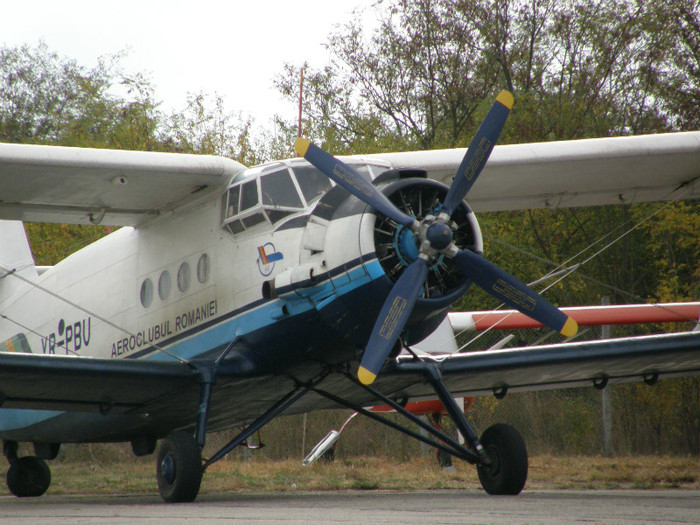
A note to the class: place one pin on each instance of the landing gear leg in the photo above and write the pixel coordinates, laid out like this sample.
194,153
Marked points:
503,457
500,455
28,476
179,464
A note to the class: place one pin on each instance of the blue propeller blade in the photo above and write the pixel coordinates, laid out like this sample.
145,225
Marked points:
512,292
352,181
392,319
479,150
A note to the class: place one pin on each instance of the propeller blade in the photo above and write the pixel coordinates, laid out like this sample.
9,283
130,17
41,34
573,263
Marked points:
352,181
392,318
479,150
514,293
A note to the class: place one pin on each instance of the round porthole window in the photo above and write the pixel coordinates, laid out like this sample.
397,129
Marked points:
203,268
146,293
183,277
164,285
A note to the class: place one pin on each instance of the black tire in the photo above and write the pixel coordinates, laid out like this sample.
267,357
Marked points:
179,468
28,477
508,470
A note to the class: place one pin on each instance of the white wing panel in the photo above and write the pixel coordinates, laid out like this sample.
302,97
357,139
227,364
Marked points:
81,185
573,173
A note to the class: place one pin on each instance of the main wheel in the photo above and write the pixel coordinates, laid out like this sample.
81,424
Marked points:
179,468
28,477
507,473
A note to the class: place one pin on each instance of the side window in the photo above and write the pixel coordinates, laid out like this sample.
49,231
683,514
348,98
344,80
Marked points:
146,293
203,268
312,182
253,220
249,195
233,196
183,277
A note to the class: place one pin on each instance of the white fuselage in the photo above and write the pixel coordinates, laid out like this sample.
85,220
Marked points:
182,284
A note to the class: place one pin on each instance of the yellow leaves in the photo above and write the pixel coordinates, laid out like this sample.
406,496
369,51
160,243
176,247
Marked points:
673,240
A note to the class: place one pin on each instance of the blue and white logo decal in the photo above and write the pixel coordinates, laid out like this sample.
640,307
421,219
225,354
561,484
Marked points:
267,255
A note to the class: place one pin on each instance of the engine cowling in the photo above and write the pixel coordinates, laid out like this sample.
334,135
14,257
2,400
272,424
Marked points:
397,247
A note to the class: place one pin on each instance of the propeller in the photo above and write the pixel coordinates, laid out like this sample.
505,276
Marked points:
509,290
479,151
392,318
435,237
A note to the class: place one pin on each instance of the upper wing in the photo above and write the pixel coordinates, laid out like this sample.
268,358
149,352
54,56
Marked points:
573,173
83,186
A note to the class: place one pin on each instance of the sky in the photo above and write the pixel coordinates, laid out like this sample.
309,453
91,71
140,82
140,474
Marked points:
230,48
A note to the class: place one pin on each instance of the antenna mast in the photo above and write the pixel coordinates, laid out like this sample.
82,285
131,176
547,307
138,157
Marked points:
301,92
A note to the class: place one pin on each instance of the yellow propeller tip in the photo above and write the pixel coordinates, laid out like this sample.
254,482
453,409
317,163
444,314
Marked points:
365,376
301,145
506,98
570,328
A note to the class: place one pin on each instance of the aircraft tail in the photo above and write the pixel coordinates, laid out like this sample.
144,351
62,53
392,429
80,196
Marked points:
15,257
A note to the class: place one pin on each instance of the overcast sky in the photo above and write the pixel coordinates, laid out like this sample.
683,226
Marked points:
232,48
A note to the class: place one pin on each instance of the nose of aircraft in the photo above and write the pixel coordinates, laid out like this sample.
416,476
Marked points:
435,239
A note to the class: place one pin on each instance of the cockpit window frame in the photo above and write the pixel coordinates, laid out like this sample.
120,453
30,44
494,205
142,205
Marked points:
235,223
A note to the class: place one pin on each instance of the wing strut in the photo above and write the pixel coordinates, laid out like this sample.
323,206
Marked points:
275,410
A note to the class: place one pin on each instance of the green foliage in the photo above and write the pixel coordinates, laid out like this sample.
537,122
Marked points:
53,242
48,99
579,68
39,93
673,244
204,126
676,24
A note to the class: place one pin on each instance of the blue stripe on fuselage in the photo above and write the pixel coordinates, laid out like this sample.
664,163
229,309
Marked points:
262,313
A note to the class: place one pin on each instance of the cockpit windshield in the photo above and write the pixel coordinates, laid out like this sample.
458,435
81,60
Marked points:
312,182
267,194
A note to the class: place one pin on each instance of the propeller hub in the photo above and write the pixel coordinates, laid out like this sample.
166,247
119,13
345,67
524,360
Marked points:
439,235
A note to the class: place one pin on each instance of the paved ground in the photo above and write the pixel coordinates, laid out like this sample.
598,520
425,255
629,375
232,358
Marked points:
380,507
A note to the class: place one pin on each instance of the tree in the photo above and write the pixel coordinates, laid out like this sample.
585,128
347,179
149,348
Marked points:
678,78
38,94
578,68
49,99
205,126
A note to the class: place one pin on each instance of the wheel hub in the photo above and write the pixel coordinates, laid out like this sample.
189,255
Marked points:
495,467
167,468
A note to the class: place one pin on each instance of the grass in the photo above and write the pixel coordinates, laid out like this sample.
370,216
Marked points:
376,473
